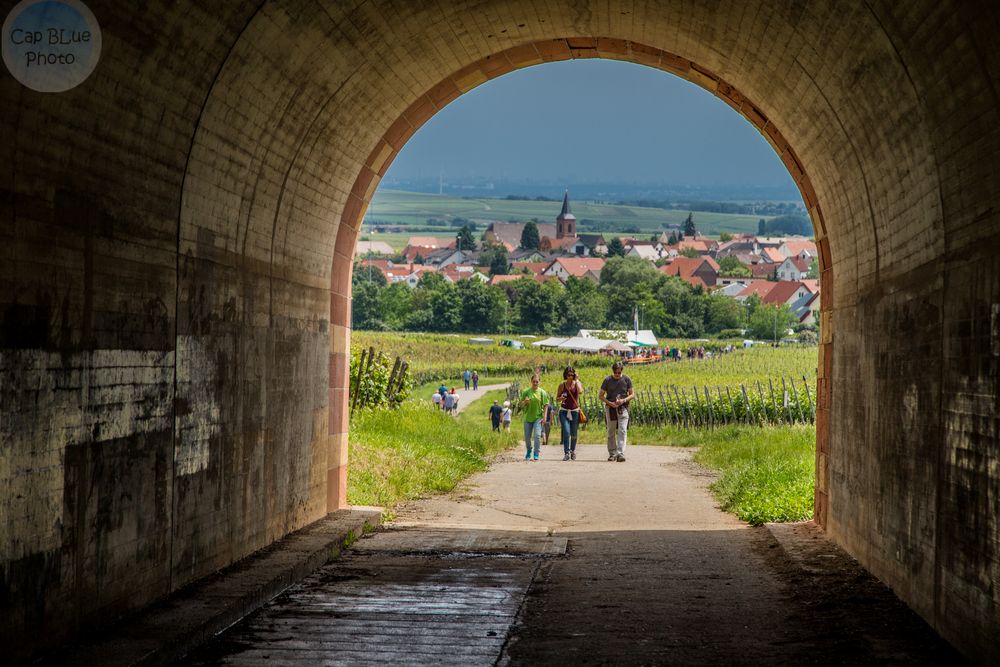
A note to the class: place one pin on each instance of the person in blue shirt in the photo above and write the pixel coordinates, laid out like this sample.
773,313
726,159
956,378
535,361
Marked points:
496,413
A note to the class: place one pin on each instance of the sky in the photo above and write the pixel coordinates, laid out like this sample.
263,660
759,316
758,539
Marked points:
591,121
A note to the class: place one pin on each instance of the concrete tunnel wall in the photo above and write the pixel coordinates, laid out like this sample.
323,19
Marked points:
176,243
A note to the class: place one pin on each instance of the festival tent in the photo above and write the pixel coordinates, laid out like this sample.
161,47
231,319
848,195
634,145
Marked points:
579,344
550,342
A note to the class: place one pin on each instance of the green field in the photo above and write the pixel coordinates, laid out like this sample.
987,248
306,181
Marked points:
414,209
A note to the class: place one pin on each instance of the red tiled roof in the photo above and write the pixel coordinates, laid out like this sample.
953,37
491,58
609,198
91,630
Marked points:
435,242
411,252
782,292
577,266
506,278
555,244
686,266
772,255
798,245
534,267
699,245
758,287
811,284
381,263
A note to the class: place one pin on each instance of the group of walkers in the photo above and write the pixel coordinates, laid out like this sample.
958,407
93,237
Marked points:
446,400
535,403
471,377
500,415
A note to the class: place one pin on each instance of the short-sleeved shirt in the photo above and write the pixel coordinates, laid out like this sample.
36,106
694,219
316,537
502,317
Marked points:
537,398
495,413
614,389
449,401
506,414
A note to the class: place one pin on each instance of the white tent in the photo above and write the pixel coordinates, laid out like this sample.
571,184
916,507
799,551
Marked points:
643,337
550,342
580,344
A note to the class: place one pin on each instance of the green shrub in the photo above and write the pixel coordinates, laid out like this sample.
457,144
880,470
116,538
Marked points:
372,390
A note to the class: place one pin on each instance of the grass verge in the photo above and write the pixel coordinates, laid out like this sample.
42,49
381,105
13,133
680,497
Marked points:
413,451
766,475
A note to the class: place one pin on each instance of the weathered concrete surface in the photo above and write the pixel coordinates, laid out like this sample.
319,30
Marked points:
170,629
584,562
175,270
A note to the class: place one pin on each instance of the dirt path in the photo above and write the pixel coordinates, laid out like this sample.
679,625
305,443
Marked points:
466,398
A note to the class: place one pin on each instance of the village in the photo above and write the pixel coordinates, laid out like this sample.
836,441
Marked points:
777,271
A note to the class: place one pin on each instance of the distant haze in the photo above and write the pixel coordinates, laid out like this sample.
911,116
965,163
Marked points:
588,122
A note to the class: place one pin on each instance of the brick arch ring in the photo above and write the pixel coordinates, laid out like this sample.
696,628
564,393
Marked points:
494,66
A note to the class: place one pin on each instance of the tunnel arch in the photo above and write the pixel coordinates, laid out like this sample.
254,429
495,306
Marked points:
868,165
494,66
181,226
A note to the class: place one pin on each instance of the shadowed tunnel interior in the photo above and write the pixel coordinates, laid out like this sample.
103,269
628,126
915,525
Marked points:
177,243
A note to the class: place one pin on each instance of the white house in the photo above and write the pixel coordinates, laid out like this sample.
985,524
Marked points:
646,252
793,268
564,267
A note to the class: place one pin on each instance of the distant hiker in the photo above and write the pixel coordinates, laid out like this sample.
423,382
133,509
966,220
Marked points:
467,377
436,398
496,414
568,394
616,392
475,381
442,390
506,416
532,403
547,413
450,401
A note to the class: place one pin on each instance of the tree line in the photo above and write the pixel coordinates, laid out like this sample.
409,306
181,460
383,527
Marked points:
707,206
667,305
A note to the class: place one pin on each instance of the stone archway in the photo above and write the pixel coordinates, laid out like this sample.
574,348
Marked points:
496,65
175,289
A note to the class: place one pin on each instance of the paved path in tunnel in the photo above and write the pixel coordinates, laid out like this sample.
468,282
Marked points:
587,562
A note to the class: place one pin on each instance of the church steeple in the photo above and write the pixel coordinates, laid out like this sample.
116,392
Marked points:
566,221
